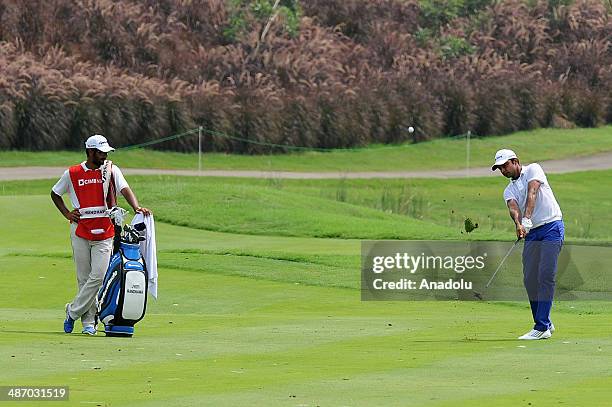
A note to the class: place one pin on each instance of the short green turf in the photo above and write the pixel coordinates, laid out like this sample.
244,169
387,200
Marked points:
259,304
540,144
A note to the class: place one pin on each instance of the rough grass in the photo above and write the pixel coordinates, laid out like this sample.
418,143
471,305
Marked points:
358,209
252,208
584,202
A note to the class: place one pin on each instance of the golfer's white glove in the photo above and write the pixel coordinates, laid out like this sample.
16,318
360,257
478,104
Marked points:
527,224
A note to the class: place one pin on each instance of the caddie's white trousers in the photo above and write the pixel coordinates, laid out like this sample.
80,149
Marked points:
91,258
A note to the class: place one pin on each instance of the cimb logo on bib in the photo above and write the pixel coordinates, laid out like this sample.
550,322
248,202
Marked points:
89,181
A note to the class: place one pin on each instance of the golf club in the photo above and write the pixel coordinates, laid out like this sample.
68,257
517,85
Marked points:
501,263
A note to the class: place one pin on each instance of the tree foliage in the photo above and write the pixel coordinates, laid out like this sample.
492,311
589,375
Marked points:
322,73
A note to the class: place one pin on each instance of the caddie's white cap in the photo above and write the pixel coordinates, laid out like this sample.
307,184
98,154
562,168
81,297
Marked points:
98,142
501,157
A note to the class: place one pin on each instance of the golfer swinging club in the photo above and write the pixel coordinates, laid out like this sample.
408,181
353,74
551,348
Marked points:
538,220
92,187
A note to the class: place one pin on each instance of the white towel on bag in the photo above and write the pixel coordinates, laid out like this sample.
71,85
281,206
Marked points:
149,250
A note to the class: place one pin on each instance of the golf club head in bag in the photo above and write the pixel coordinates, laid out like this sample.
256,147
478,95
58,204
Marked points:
132,235
117,216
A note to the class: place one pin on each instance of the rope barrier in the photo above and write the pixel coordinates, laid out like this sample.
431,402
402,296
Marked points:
161,140
261,143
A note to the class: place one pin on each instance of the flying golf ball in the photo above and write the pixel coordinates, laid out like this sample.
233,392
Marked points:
410,129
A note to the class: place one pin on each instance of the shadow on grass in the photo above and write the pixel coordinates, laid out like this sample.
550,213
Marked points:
55,333
460,340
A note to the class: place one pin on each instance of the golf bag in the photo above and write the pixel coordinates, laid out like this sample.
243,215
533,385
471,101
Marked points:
122,299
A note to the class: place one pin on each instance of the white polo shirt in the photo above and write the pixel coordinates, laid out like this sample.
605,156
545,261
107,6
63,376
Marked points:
65,184
546,208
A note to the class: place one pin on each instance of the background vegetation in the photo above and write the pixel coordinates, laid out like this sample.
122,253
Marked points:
318,73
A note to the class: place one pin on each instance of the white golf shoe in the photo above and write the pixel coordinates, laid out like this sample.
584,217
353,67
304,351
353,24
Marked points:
552,328
534,334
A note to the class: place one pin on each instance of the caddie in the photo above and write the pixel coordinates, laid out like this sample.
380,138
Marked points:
92,187
538,219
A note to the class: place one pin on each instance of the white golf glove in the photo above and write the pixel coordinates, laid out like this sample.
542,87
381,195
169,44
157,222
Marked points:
527,224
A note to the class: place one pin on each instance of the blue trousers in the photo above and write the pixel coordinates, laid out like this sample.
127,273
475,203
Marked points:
542,247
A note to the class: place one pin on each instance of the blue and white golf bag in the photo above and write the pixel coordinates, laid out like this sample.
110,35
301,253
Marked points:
122,299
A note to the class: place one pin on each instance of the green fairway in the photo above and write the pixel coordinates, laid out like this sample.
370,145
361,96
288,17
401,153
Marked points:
235,341
259,302
544,144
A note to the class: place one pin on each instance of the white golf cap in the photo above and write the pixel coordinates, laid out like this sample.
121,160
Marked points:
501,157
98,142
